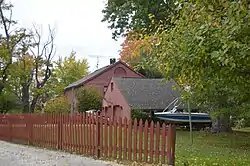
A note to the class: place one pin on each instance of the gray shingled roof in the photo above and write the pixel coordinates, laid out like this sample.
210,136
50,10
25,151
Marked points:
142,93
81,81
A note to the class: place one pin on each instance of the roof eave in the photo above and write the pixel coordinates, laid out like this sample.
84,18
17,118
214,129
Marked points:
108,67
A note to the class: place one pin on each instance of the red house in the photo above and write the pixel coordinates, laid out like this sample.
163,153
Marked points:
125,94
100,79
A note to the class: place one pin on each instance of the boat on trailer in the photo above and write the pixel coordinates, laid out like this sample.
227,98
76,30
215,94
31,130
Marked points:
182,118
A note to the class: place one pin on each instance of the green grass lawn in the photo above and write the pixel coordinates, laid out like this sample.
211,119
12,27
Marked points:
224,149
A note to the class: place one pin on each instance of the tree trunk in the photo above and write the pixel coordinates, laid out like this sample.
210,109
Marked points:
33,104
221,124
25,98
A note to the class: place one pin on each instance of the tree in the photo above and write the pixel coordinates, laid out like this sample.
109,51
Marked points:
136,52
9,40
28,74
21,78
88,98
59,104
31,69
133,15
66,71
43,54
208,49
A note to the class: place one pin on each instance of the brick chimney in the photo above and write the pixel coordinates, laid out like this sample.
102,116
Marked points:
112,61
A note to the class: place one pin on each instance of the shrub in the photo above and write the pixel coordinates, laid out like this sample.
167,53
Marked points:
9,103
240,123
140,114
57,105
88,98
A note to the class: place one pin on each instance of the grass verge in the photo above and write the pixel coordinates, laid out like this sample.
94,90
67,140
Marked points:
223,149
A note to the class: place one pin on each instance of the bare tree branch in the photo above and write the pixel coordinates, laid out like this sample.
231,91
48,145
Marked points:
10,20
37,36
43,60
49,57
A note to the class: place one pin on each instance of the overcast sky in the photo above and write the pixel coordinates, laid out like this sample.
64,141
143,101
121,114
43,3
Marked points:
78,26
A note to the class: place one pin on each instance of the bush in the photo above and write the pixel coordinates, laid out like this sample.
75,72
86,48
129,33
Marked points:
9,103
241,116
15,111
57,105
140,114
240,123
88,98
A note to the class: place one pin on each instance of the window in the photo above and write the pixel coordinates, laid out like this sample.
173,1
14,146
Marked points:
112,86
120,72
105,89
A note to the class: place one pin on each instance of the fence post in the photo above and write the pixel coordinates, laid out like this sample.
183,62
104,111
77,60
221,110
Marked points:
10,129
171,136
173,143
98,125
29,124
59,134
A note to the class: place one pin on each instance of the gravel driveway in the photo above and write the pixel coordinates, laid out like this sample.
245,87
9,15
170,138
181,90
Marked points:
20,155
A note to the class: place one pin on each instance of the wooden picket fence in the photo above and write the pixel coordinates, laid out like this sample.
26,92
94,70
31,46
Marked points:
93,135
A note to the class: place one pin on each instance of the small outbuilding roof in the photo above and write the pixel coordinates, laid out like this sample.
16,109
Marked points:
143,93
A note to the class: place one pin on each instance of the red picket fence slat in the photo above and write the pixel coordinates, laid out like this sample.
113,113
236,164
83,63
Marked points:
146,142
120,139
151,142
125,127
163,142
94,135
129,141
157,141
101,135
71,133
105,138
140,140
115,138
110,138
135,140
85,135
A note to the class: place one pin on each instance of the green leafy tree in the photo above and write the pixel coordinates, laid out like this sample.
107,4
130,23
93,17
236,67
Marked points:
136,15
30,69
59,104
208,49
67,71
28,76
10,38
21,79
88,98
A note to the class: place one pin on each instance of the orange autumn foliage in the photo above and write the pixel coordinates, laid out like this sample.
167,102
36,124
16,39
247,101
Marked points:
132,49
